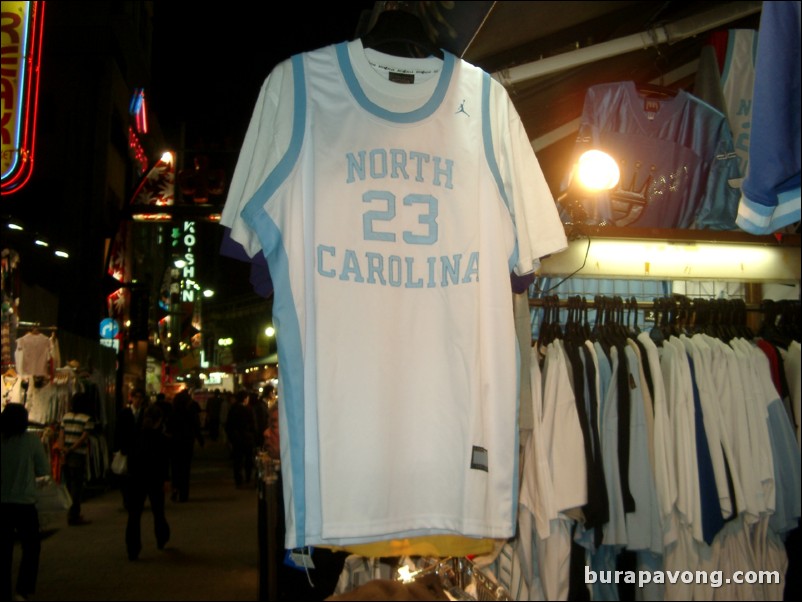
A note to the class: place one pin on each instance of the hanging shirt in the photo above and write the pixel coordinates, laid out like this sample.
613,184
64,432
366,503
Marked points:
737,83
391,215
35,350
675,155
614,532
644,529
665,469
770,197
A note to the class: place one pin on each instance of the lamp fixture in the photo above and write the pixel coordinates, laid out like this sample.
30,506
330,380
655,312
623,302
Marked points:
594,172
597,171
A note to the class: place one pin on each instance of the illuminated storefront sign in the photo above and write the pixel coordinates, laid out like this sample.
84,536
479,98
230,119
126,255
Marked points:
183,242
137,152
157,189
21,37
137,109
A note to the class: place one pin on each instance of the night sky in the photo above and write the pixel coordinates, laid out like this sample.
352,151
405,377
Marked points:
207,71
208,67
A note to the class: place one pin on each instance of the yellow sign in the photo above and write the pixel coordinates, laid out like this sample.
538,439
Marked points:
21,37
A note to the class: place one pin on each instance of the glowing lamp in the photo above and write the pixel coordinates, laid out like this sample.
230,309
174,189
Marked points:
596,170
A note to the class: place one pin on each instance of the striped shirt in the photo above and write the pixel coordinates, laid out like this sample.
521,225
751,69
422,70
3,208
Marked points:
75,425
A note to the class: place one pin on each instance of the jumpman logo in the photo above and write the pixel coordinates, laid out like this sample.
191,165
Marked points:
462,108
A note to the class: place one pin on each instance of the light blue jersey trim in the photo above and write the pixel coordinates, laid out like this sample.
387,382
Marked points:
411,117
255,204
757,218
516,459
291,360
285,317
490,155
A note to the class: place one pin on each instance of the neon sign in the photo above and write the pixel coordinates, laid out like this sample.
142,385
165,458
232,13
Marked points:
183,241
21,37
138,110
137,151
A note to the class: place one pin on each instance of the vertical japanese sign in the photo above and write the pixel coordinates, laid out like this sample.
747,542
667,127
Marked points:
183,244
21,41
186,299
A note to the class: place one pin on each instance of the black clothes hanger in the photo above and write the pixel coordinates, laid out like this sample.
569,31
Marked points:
575,330
544,334
632,311
619,324
583,307
740,320
598,303
700,313
780,323
599,332
657,332
400,33
789,319
556,329
684,316
611,333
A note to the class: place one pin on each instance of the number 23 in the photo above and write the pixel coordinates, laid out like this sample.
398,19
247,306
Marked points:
427,217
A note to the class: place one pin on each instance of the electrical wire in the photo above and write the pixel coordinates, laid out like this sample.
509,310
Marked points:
584,261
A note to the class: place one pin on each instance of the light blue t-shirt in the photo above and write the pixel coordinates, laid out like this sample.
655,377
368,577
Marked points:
24,459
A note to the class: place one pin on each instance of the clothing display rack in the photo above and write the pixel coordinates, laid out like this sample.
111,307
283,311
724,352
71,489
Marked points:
462,579
28,326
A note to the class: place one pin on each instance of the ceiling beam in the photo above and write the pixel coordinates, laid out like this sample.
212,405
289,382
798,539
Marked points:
669,33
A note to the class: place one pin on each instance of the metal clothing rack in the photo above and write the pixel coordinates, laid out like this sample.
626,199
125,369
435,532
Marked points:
461,579
642,305
28,326
766,318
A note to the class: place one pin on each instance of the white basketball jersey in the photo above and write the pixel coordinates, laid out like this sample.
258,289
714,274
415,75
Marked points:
407,194
737,83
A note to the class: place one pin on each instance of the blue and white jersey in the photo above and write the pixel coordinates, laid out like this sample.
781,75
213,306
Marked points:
675,154
770,197
392,197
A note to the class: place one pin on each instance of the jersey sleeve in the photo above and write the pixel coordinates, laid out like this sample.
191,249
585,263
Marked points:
539,231
770,194
719,204
266,140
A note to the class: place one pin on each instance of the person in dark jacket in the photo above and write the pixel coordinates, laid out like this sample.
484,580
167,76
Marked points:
149,476
213,407
183,429
258,405
126,431
241,433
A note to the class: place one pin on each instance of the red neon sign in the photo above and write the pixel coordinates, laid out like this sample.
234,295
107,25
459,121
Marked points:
21,37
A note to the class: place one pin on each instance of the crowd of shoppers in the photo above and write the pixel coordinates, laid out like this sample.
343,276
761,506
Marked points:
157,440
